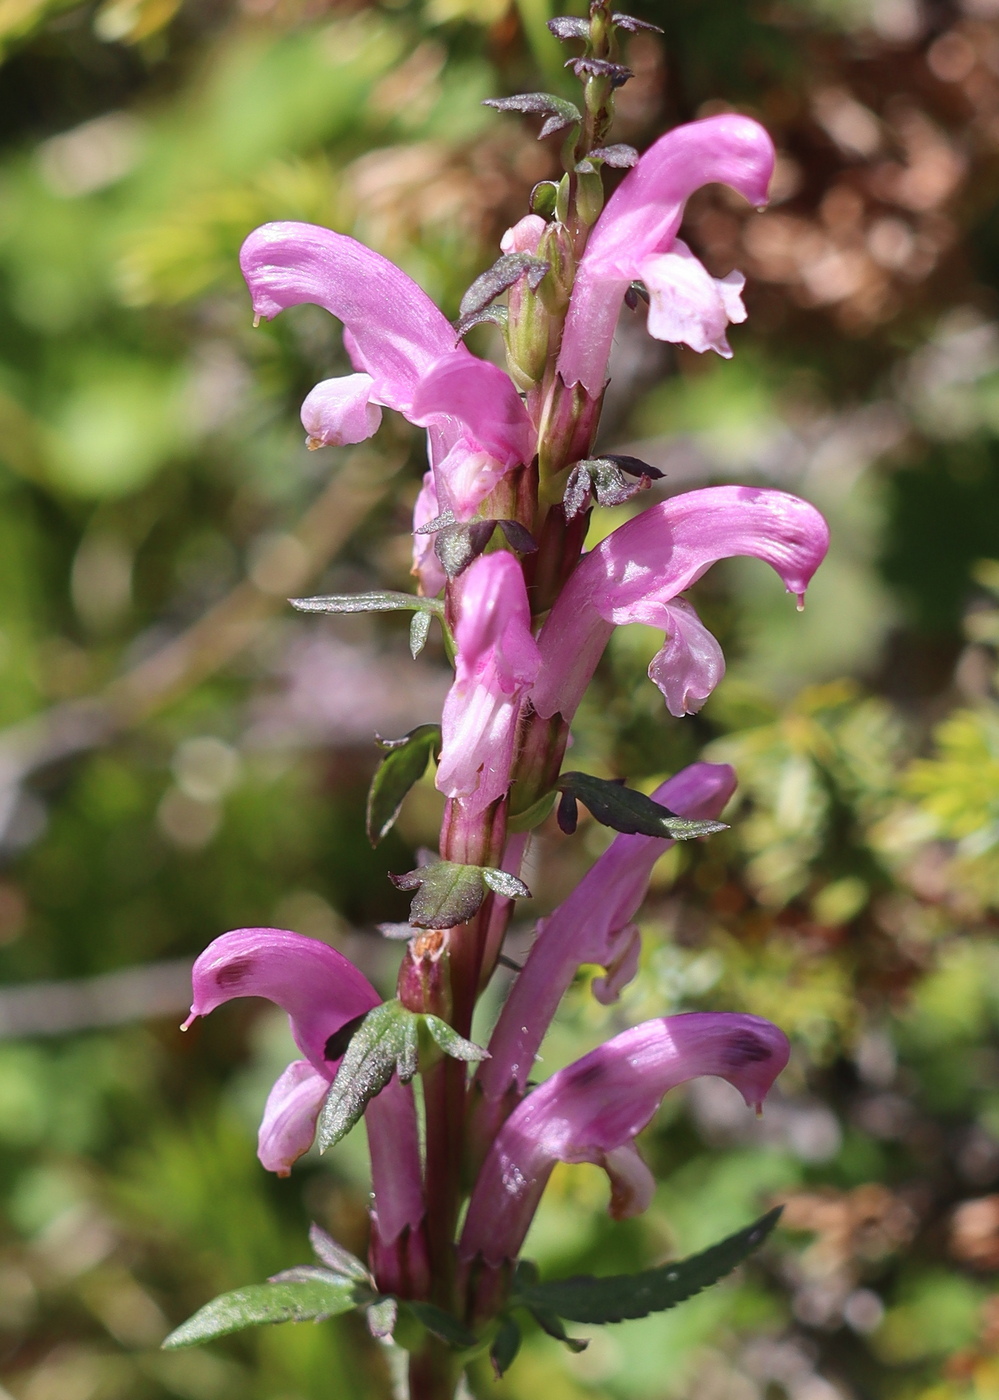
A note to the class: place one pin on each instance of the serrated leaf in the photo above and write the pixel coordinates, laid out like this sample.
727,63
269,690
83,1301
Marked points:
451,1042
616,73
381,1317
447,1328
497,315
446,893
335,1257
384,601
624,809
561,113
619,1297
551,1323
384,1044
457,545
403,765
568,27
619,155
629,22
506,1343
264,1302
502,882
504,273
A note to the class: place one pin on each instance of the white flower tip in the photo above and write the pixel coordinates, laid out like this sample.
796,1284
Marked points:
256,320
190,1021
314,443
800,602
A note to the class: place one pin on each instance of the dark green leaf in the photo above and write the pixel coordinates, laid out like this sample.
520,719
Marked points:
543,198
616,73
502,882
607,479
560,112
505,1345
381,1317
454,1333
621,1296
634,25
447,894
624,809
451,1042
532,816
335,1257
264,1302
496,315
504,273
403,765
551,1323
384,1044
386,601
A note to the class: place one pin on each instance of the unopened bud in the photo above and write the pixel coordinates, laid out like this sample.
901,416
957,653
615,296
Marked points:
424,979
562,200
589,196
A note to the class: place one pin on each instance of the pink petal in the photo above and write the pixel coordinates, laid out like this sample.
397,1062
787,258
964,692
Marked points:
687,305
690,665
598,1105
593,925
622,955
339,411
316,985
642,217
396,332
288,1127
497,659
426,566
396,1170
483,398
464,474
632,1184
647,561
525,236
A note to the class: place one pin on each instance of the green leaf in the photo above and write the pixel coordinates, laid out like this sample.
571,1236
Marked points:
608,479
626,810
450,1331
447,894
385,600
559,112
381,1317
622,1296
294,1301
502,882
335,1257
419,631
384,1044
551,1323
403,765
504,273
451,1042
531,816
505,1345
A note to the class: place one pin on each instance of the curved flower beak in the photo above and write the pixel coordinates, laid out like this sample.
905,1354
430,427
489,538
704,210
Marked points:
593,925
497,659
635,238
593,1110
636,573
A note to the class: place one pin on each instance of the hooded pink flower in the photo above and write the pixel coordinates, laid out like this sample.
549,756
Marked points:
497,660
593,1110
403,349
593,925
322,992
635,239
636,573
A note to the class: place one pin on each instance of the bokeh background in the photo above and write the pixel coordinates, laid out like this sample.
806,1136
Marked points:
180,754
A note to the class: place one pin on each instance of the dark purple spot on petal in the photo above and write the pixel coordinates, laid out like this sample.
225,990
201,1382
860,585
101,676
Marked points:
234,973
746,1048
585,1075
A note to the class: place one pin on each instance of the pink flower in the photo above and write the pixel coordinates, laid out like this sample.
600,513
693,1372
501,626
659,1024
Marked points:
635,239
497,660
594,925
593,1110
405,354
636,573
322,992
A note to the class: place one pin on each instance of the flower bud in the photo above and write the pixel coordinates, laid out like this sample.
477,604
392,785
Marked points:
589,196
424,981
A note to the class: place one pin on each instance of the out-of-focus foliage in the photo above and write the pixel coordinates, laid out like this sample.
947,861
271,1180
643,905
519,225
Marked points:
181,756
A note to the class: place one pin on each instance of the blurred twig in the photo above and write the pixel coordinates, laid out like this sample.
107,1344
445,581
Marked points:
114,999
285,568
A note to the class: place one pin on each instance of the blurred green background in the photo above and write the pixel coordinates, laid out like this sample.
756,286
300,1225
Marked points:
180,755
